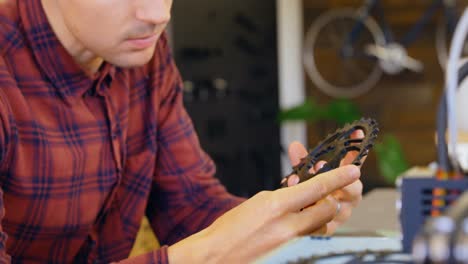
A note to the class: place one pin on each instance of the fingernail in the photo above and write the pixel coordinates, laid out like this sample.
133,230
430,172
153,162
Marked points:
296,180
360,133
354,172
293,180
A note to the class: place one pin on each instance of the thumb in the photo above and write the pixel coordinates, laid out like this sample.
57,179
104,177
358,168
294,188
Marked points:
296,151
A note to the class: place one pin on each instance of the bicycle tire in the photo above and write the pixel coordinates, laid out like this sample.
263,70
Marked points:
310,63
442,42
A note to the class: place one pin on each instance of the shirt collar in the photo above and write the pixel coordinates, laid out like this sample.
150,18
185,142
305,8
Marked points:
70,80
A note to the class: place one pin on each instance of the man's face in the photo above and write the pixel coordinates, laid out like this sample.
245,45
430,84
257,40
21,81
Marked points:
122,32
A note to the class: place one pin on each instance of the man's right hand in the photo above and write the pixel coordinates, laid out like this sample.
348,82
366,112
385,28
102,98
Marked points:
266,220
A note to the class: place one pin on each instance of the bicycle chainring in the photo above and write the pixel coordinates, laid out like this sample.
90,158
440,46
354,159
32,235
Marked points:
335,147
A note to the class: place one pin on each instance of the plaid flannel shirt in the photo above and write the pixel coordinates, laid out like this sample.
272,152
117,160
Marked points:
83,158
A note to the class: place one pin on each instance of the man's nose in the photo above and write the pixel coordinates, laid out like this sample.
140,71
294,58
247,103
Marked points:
154,11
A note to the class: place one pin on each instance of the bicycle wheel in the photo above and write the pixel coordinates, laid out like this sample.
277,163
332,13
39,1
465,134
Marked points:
337,70
444,33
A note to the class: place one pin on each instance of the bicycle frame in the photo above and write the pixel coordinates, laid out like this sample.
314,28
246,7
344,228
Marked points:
374,7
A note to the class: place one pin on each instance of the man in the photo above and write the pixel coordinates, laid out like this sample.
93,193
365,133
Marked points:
94,135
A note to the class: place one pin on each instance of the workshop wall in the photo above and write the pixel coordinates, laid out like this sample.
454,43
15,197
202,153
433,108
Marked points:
226,53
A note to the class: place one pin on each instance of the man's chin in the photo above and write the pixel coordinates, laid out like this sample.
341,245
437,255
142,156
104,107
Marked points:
131,65
133,59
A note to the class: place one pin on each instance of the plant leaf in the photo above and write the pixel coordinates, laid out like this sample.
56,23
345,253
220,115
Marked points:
342,111
308,111
390,158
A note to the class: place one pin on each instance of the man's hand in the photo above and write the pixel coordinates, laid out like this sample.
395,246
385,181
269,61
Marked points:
268,219
348,197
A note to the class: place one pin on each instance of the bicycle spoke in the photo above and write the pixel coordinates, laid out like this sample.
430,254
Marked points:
335,40
355,69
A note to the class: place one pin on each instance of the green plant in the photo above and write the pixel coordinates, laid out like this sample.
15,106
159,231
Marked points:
390,158
340,110
391,161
